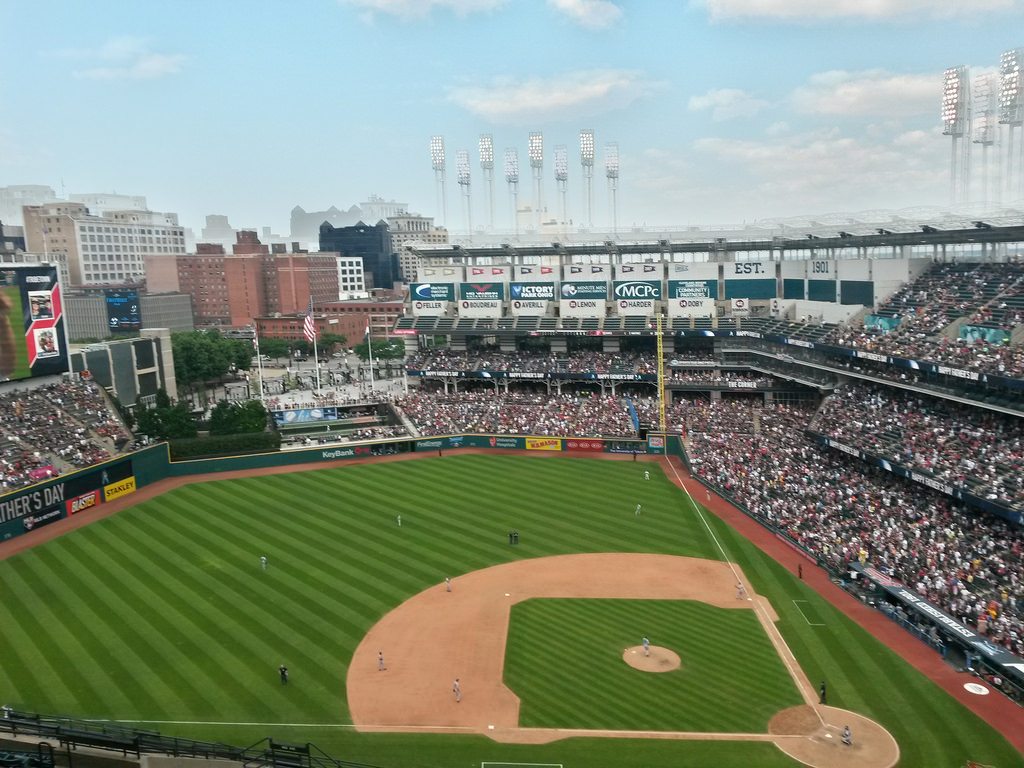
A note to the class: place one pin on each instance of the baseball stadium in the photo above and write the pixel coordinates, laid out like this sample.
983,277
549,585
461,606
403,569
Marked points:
649,509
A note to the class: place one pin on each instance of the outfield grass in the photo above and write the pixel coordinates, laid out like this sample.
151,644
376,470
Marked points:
161,612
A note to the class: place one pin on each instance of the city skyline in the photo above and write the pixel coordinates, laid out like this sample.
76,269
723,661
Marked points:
720,111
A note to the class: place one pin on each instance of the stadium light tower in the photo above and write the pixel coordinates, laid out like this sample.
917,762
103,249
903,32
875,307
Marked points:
1011,113
587,162
512,177
437,160
536,153
985,128
462,176
562,176
487,168
956,122
611,170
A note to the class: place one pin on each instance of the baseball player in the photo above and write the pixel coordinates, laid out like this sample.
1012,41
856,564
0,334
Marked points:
647,475
637,510
380,661
263,562
458,691
647,646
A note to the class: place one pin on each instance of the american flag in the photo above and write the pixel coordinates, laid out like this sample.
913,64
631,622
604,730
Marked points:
308,329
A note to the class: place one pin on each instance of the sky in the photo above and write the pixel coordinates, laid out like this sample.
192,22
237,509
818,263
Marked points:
724,111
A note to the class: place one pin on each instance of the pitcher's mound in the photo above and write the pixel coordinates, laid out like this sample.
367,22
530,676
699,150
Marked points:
660,660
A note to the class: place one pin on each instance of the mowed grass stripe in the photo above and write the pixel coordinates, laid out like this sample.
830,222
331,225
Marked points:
607,693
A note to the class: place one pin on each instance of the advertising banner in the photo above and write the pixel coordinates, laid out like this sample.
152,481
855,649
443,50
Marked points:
118,489
593,445
996,336
585,289
123,311
636,297
498,441
531,298
543,443
539,291
83,502
479,291
882,322
692,289
305,415
432,292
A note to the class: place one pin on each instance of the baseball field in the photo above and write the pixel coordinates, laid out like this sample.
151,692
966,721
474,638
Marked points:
162,615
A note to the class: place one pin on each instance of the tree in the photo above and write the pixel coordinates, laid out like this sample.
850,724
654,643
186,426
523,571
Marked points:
274,347
165,421
238,418
330,342
382,350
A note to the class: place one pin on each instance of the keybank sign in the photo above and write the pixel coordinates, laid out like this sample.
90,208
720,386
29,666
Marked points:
638,289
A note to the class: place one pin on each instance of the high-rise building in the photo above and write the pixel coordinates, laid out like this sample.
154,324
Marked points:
102,250
254,280
13,199
413,230
373,244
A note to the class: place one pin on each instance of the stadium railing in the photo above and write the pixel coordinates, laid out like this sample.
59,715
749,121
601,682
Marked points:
72,733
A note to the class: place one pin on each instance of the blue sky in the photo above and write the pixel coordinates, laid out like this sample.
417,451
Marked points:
724,111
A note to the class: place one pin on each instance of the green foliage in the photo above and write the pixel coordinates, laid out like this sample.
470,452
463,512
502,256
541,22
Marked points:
274,347
382,350
201,356
225,445
229,418
165,421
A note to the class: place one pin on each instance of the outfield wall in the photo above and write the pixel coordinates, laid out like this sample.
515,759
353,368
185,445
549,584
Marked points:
46,502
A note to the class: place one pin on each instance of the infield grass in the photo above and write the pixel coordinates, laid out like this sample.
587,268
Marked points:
161,614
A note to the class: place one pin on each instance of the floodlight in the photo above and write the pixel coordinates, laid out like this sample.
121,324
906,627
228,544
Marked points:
1011,109
437,152
512,165
984,108
561,163
536,149
611,160
954,101
462,166
486,151
587,147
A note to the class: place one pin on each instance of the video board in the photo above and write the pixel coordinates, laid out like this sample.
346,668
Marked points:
32,338
123,314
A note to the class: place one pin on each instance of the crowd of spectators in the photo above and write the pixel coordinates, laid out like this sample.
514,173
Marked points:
968,562
983,294
969,448
526,361
440,413
55,428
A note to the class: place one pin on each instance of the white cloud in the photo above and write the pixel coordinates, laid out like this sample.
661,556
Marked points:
146,67
418,9
727,103
872,92
591,14
122,58
865,9
575,94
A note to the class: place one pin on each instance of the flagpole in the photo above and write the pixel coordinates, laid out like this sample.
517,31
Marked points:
316,356
259,359
369,350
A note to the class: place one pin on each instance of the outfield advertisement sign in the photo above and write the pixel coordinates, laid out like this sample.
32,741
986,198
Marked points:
482,291
543,443
591,445
45,504
531,299
636,297
305,415
439,373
